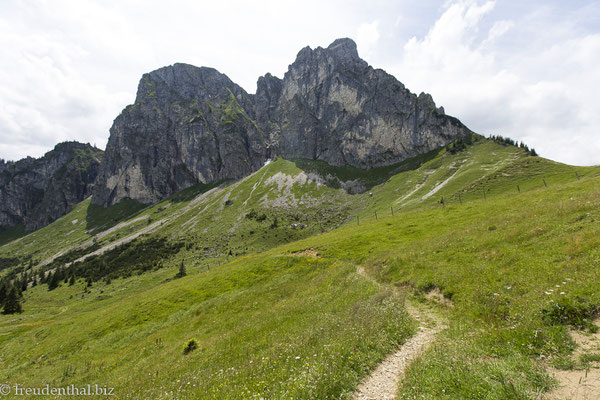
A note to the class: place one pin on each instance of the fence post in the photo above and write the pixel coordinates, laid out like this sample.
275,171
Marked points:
357,220
392,208
375,214
545,184
518,189
577,175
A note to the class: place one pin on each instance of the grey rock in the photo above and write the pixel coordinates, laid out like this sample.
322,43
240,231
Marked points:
188,125
194,125
336,108
36,192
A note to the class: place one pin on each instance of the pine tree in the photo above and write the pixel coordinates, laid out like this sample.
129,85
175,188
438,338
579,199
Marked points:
24,282
53,280
182,271
3,292
12,305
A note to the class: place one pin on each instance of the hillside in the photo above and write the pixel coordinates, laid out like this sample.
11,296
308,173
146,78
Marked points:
280,310
36,192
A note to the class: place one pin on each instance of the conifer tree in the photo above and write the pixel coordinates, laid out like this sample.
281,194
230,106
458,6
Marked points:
24,281
182,271
3,292
12,305
53,280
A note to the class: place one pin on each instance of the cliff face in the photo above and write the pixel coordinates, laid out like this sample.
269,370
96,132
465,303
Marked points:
188,125
332,106
35,192
191,125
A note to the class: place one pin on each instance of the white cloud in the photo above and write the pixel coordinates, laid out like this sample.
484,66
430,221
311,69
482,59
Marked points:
498,29
544,95
68,67
367,36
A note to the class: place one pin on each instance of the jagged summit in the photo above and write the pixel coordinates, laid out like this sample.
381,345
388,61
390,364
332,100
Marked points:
194,125
344,50
37,191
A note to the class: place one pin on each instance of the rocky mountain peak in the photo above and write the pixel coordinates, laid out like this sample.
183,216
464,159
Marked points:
340,51
344,49
192,125
35,192
179,83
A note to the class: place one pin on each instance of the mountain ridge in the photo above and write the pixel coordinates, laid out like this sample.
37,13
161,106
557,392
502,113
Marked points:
193,125
36,191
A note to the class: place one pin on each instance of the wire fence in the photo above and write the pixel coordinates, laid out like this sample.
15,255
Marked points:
471,195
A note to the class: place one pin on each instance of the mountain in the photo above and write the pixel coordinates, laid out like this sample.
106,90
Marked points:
323,224
193,125
35,192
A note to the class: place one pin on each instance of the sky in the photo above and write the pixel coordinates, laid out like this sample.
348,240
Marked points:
526,69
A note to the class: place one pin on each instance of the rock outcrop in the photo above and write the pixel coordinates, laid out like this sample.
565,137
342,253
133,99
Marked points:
332,106
194,125
187,125
35,192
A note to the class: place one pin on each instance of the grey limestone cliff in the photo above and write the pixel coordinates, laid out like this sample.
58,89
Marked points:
187,125
194,125
35,192
332,106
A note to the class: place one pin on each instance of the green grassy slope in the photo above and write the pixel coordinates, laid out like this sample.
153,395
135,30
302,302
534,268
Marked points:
485,167
283,205
292,200
291,324
276,325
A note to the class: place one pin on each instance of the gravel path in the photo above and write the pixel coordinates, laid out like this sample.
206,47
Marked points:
382,384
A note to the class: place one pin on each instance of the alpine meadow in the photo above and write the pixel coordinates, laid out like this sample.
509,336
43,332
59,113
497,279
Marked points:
332,236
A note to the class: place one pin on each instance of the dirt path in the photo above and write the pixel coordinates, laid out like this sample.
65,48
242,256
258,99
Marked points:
580,384
382,384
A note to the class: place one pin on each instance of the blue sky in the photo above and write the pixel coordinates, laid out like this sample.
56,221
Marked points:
525,69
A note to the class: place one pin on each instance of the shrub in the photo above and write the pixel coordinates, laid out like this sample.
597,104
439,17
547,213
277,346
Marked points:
575,312
261,217
191,345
